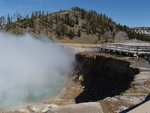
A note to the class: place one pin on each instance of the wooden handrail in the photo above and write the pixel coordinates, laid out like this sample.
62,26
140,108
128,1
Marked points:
136,49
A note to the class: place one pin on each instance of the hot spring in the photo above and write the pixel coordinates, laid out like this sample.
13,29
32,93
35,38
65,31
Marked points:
31,70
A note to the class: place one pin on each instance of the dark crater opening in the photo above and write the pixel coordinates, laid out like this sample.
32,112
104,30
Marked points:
102,77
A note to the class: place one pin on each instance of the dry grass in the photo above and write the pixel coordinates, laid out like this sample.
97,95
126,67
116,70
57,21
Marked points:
78,44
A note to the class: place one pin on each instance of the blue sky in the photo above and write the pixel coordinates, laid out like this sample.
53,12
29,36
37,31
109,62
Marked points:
133,13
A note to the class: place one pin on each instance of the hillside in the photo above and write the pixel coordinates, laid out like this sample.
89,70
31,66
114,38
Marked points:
75,25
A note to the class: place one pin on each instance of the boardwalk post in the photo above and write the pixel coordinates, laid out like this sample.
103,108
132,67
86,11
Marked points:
137,50
146,51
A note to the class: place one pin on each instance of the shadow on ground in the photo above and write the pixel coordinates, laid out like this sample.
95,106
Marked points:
103,77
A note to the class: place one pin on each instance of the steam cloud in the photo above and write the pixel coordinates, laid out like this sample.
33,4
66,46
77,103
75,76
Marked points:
30,69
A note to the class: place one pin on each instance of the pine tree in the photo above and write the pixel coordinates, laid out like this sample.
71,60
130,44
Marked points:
19,17
9,19
79,33
67,18
61,30
3,20
71,34
77,20
0,22
40,13
43,13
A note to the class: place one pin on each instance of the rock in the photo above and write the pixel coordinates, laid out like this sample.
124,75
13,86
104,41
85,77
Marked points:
80,78
23,111
47,107
121,108
91,107
36,108
42,107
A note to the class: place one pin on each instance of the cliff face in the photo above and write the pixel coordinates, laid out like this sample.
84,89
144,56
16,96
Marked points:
102,76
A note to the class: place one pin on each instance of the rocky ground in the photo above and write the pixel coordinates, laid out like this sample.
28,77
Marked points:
137,91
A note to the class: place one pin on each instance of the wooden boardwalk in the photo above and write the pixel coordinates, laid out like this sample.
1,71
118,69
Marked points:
135,49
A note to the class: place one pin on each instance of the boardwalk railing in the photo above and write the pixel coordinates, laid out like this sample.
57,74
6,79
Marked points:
135,49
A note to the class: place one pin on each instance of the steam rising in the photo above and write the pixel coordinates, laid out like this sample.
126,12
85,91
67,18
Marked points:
30,69
121,37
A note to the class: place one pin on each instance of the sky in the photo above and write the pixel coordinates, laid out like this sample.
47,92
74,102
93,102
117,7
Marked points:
133,13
